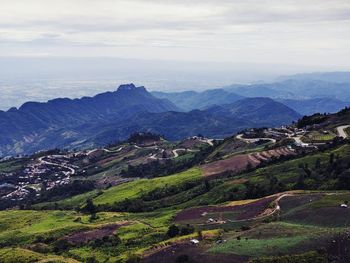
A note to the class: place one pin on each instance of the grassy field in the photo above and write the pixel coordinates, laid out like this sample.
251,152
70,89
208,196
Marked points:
277,238
69,203
146,231
306,220
315,136
130,190
19,255
25,227
138,188
286,172
20,227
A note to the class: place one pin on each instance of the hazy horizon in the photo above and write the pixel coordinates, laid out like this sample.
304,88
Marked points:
80,48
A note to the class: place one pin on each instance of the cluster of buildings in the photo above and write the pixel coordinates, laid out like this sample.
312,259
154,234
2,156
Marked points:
44,173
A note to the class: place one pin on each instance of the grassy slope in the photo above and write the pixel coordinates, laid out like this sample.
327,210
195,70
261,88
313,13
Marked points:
293,232
131,190
287,172
19,228
19,255
273,239
146,229
68,203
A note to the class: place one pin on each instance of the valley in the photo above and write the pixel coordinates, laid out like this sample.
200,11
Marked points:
148,199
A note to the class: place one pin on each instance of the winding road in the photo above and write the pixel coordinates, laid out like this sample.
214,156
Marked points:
105,150
41,160
341,131
253,140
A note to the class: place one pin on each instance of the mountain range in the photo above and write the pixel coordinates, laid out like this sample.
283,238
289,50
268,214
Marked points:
305,93
31,126
113,116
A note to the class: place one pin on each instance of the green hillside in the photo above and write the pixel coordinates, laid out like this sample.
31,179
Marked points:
292,206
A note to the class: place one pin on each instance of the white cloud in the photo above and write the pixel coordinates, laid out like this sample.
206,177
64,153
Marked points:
294,31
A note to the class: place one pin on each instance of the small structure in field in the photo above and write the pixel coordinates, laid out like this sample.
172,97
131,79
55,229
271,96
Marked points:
194,241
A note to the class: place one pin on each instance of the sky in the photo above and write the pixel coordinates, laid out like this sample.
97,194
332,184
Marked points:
74,48
312,33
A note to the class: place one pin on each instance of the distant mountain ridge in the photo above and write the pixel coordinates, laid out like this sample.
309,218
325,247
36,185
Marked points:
22,128
331,77
305,93
294,89
217,122
263,111
111,116
190,100
311,106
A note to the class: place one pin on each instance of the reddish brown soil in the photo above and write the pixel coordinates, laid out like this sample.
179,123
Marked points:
195,254
240,162
87,236
248,211
236,164
190,143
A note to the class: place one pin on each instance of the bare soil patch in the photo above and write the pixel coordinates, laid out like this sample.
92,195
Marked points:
87,236
239,163
246,211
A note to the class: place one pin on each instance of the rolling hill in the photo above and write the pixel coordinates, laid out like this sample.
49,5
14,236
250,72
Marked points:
243,199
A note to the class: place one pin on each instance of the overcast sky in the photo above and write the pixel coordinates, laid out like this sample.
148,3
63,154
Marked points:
302,32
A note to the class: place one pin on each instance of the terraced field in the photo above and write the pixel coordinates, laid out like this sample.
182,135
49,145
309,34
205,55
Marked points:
224,213
286,232
318,137
240,162
240,217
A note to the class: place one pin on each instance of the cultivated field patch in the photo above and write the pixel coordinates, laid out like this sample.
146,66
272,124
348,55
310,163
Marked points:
241,162
222,213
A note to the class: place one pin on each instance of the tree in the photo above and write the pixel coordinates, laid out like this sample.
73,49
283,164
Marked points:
61,245
300,182
186,230
173,231
200,235
90,208
207,185
318,164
